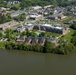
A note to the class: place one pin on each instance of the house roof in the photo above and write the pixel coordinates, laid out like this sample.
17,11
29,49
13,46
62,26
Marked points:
53,27
28,38
21,37
55,15
48,6
35,38
42,39
34,16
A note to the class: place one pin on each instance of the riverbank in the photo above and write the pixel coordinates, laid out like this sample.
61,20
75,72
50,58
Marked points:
47,48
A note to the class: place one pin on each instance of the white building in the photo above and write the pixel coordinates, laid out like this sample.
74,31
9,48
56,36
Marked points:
48,6
36,17
36,8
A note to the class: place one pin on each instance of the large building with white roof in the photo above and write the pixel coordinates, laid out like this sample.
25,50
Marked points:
49,28
43,27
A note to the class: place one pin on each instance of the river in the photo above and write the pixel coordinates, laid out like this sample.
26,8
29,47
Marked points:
33,63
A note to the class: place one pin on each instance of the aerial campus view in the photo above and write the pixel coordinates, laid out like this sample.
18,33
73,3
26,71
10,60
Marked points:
37,37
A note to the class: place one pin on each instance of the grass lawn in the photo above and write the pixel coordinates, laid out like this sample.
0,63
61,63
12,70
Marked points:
68,19
2,44
53,34
68,36
48,33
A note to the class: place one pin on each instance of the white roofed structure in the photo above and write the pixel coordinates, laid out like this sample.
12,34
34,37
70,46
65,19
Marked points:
48,6
36,7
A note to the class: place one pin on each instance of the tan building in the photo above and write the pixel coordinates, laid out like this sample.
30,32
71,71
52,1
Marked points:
21,39
28,40
29,27
36,17
20,30
3,9
35,40
42,41
10,24
31,40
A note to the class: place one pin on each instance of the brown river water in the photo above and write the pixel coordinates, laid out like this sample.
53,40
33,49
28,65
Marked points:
33,63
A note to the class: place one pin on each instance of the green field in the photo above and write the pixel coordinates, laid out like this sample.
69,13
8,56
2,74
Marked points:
48,34
68,36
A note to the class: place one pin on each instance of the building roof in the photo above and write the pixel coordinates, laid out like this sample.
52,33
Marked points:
21,37
48,6
28,38
42,39
54,27
36,7
55,15
34,16
35,38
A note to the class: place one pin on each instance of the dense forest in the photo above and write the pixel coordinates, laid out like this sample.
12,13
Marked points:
26,3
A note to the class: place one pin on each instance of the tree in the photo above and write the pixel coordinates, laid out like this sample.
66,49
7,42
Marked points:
69,47
73,40
22,17
14,8
4,18
42,34
9,46
74,33
64,49
73,25
10,34
37,47
1,34
31,33
48,47
2,3
23,33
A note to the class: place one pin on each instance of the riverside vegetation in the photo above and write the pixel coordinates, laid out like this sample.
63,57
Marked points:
62,48
47,48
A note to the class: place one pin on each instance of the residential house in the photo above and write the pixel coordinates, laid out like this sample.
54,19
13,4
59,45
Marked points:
21,39
36,17
28,40
35,40
29,27
42,41
20,30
